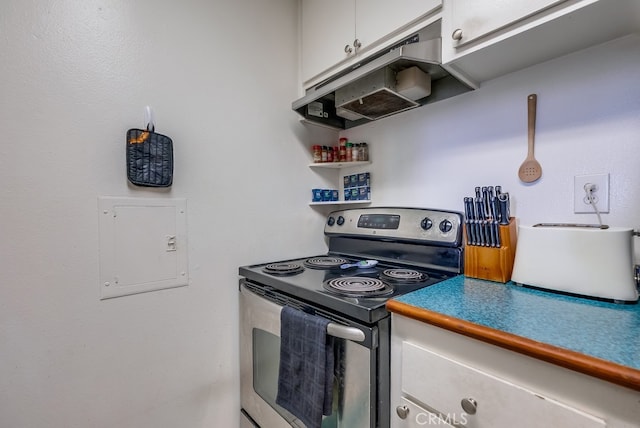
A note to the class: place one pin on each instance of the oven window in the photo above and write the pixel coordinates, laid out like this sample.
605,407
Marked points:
266,361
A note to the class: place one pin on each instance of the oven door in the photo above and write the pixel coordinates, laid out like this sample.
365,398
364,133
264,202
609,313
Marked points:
355,389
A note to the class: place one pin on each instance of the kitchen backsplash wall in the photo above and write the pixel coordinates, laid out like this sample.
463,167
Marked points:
588,122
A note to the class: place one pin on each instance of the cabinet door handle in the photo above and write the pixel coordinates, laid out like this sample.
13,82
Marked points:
357,44
402,411
457,34
469,405
348,49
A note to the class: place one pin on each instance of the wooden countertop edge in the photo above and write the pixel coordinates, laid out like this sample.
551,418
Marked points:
611,372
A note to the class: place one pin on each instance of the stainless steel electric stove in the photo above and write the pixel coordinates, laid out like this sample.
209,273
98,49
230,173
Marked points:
374,254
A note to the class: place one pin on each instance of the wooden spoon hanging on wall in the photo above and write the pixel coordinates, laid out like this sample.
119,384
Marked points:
530,170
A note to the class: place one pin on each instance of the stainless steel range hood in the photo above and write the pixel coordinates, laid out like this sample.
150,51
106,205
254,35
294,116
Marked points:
367,91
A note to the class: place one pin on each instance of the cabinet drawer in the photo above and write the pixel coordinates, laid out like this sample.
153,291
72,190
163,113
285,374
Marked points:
442,384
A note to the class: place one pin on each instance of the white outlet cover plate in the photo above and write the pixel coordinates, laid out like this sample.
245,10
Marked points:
601,193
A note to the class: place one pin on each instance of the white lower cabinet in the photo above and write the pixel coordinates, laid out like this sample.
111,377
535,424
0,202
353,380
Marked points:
441,378
472,398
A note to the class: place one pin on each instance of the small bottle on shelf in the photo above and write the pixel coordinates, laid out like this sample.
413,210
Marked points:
364,152
317,153
342,147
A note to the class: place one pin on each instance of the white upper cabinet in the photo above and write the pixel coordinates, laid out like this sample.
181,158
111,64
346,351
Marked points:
472,19
327,28
376,19
484,39
336,33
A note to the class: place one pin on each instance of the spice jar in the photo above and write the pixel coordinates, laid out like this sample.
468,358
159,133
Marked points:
336,154
363,153
324,154
355,152
342,154
349,151
329,154
317,153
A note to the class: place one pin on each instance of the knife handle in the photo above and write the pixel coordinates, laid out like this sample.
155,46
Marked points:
490,232
504,208
480,214
496,204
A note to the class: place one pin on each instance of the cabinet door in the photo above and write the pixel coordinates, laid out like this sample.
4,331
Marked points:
477,18
327,27
378,19
481,400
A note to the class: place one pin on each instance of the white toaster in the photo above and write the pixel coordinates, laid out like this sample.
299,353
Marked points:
584,260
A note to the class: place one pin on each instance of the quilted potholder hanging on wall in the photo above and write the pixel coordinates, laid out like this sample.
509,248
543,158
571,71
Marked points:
149,158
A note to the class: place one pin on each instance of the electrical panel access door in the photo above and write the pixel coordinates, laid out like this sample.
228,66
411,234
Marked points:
143,245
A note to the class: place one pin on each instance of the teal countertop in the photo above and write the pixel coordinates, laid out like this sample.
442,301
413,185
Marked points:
603,330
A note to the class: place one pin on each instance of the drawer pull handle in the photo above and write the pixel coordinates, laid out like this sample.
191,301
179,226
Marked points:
469,405
402,411
457,34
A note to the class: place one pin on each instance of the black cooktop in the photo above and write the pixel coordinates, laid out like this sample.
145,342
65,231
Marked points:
300,279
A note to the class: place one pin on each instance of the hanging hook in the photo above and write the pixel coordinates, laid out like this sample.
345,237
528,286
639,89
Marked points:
149,119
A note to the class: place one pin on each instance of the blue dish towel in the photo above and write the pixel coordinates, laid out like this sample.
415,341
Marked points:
305,378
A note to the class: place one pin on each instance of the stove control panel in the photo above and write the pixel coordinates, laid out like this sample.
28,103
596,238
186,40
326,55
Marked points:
414,224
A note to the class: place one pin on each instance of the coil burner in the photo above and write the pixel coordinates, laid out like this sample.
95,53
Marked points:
325,262
357,286
283,269
403,276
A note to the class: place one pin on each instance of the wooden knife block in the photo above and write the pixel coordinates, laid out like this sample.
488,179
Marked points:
493,264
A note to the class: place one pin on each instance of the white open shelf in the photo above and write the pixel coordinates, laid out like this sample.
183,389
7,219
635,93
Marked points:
338,165
363,201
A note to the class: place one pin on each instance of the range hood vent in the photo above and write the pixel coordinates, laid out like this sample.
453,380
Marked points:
370,90
372,97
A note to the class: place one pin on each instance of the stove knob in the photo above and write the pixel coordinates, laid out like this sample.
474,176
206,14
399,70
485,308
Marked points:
340,220
426,223
445,226
331,221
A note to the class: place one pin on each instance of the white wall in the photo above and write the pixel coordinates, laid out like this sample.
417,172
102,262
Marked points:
74,76
588,122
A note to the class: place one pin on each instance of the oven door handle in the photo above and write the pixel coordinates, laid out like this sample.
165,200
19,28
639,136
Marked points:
333,329
343,332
